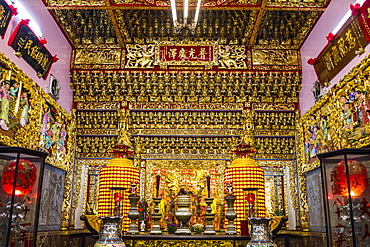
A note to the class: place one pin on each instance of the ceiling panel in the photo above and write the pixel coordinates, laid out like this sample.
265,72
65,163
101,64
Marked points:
85,27
259,24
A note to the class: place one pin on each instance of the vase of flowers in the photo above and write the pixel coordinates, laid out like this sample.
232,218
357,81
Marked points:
198,228
171,228
142,208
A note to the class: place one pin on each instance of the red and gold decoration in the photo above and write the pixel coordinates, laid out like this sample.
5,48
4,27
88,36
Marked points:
23,176
357,176
119,173
363,16
185,52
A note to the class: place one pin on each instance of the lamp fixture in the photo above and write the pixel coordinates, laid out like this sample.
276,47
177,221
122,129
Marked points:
185,25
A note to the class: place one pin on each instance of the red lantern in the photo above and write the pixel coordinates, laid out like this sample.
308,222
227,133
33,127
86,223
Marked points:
25,180
357,176
117,197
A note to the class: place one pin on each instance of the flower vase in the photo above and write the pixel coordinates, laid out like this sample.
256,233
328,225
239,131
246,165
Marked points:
230,214
142,226
110,233
260,233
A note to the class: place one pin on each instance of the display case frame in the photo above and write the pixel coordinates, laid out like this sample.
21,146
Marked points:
21,176
346,196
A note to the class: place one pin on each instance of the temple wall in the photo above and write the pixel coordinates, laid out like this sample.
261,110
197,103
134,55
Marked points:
39,122
340,119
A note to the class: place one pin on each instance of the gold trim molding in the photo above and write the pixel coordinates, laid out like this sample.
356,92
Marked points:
190,132
98,106
183,106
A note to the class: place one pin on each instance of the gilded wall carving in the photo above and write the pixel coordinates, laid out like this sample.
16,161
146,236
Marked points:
340,119
87,26
140,56
231,57
188,86
189,116
97,58
74,2
275,34
295,3
191,243
276,59
98,106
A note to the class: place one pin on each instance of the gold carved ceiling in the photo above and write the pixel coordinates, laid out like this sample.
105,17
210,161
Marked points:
261,24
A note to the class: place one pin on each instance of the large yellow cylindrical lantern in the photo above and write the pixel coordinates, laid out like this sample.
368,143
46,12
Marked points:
244,174
119,173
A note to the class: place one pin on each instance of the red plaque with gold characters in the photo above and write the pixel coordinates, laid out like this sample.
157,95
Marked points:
364,18
6,13
186,53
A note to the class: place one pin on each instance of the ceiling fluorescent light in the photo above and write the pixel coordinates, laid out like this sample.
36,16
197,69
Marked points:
23,14
345,18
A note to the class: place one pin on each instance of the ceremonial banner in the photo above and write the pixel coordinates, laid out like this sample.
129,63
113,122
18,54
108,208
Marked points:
32,49
6,13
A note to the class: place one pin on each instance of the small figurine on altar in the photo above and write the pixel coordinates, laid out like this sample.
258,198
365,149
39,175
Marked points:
133,188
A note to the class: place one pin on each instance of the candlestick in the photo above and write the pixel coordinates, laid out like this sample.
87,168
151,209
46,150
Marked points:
209,186
158,178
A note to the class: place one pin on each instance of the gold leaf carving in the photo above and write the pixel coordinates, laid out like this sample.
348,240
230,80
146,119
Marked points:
98,105
274,107
140,56
97,57
196,106
275,57
232,57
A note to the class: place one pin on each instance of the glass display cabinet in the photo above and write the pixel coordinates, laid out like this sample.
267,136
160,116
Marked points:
21,173
346,196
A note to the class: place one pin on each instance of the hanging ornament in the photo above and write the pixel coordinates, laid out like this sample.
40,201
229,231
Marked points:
357,176
251,197
25,177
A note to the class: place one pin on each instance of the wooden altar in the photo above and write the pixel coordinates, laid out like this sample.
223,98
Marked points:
185,241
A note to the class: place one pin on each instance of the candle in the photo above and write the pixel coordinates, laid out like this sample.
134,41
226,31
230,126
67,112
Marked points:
209,186
158,177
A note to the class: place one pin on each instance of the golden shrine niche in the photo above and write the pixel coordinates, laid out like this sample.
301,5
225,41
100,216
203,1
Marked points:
185,123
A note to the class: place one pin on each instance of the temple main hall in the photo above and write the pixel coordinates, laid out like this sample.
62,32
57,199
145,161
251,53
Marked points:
147,123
